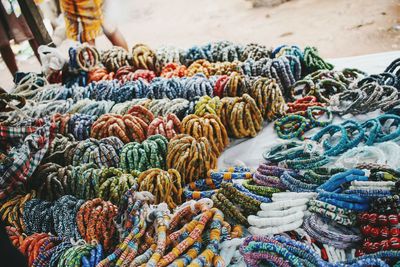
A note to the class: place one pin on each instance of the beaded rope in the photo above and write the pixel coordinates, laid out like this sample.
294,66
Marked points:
103,152
115,57
208,126
151,153
190,157
129,127
168,126
11,211
240,116
269,98
145,58
95,222
164,185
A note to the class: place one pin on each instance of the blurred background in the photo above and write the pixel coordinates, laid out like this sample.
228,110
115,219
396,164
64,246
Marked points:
337,28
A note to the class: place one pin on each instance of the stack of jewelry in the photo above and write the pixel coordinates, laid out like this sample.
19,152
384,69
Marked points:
284,214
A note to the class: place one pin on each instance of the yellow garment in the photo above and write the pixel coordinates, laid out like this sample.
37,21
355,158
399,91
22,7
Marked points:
83,19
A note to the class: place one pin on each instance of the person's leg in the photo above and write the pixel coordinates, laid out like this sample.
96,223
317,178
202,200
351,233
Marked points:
9,58
115,37
35,46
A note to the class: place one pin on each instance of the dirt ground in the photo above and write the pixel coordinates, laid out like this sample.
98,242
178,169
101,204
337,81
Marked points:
337,28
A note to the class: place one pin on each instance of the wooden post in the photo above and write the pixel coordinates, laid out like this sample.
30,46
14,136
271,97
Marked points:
35,22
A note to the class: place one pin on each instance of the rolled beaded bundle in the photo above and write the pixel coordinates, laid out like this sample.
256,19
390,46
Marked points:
168,126
100,74
81,254
145,58
95,222
208,126
151,153
208,105
113,183
166,186
234,203
240,116
30,246
12,210
83,57
269,98
173,70
126,74
190,157
50,181
115,58
286,70
233,85
132,126
103,152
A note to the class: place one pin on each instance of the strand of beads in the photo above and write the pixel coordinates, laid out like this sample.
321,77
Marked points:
240,116
151,153
166,186
114,58
190,157
284,214
235,203
296,124
205,188
95,222
208,126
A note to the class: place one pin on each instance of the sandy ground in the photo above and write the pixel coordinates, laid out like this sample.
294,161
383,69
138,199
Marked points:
337,28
